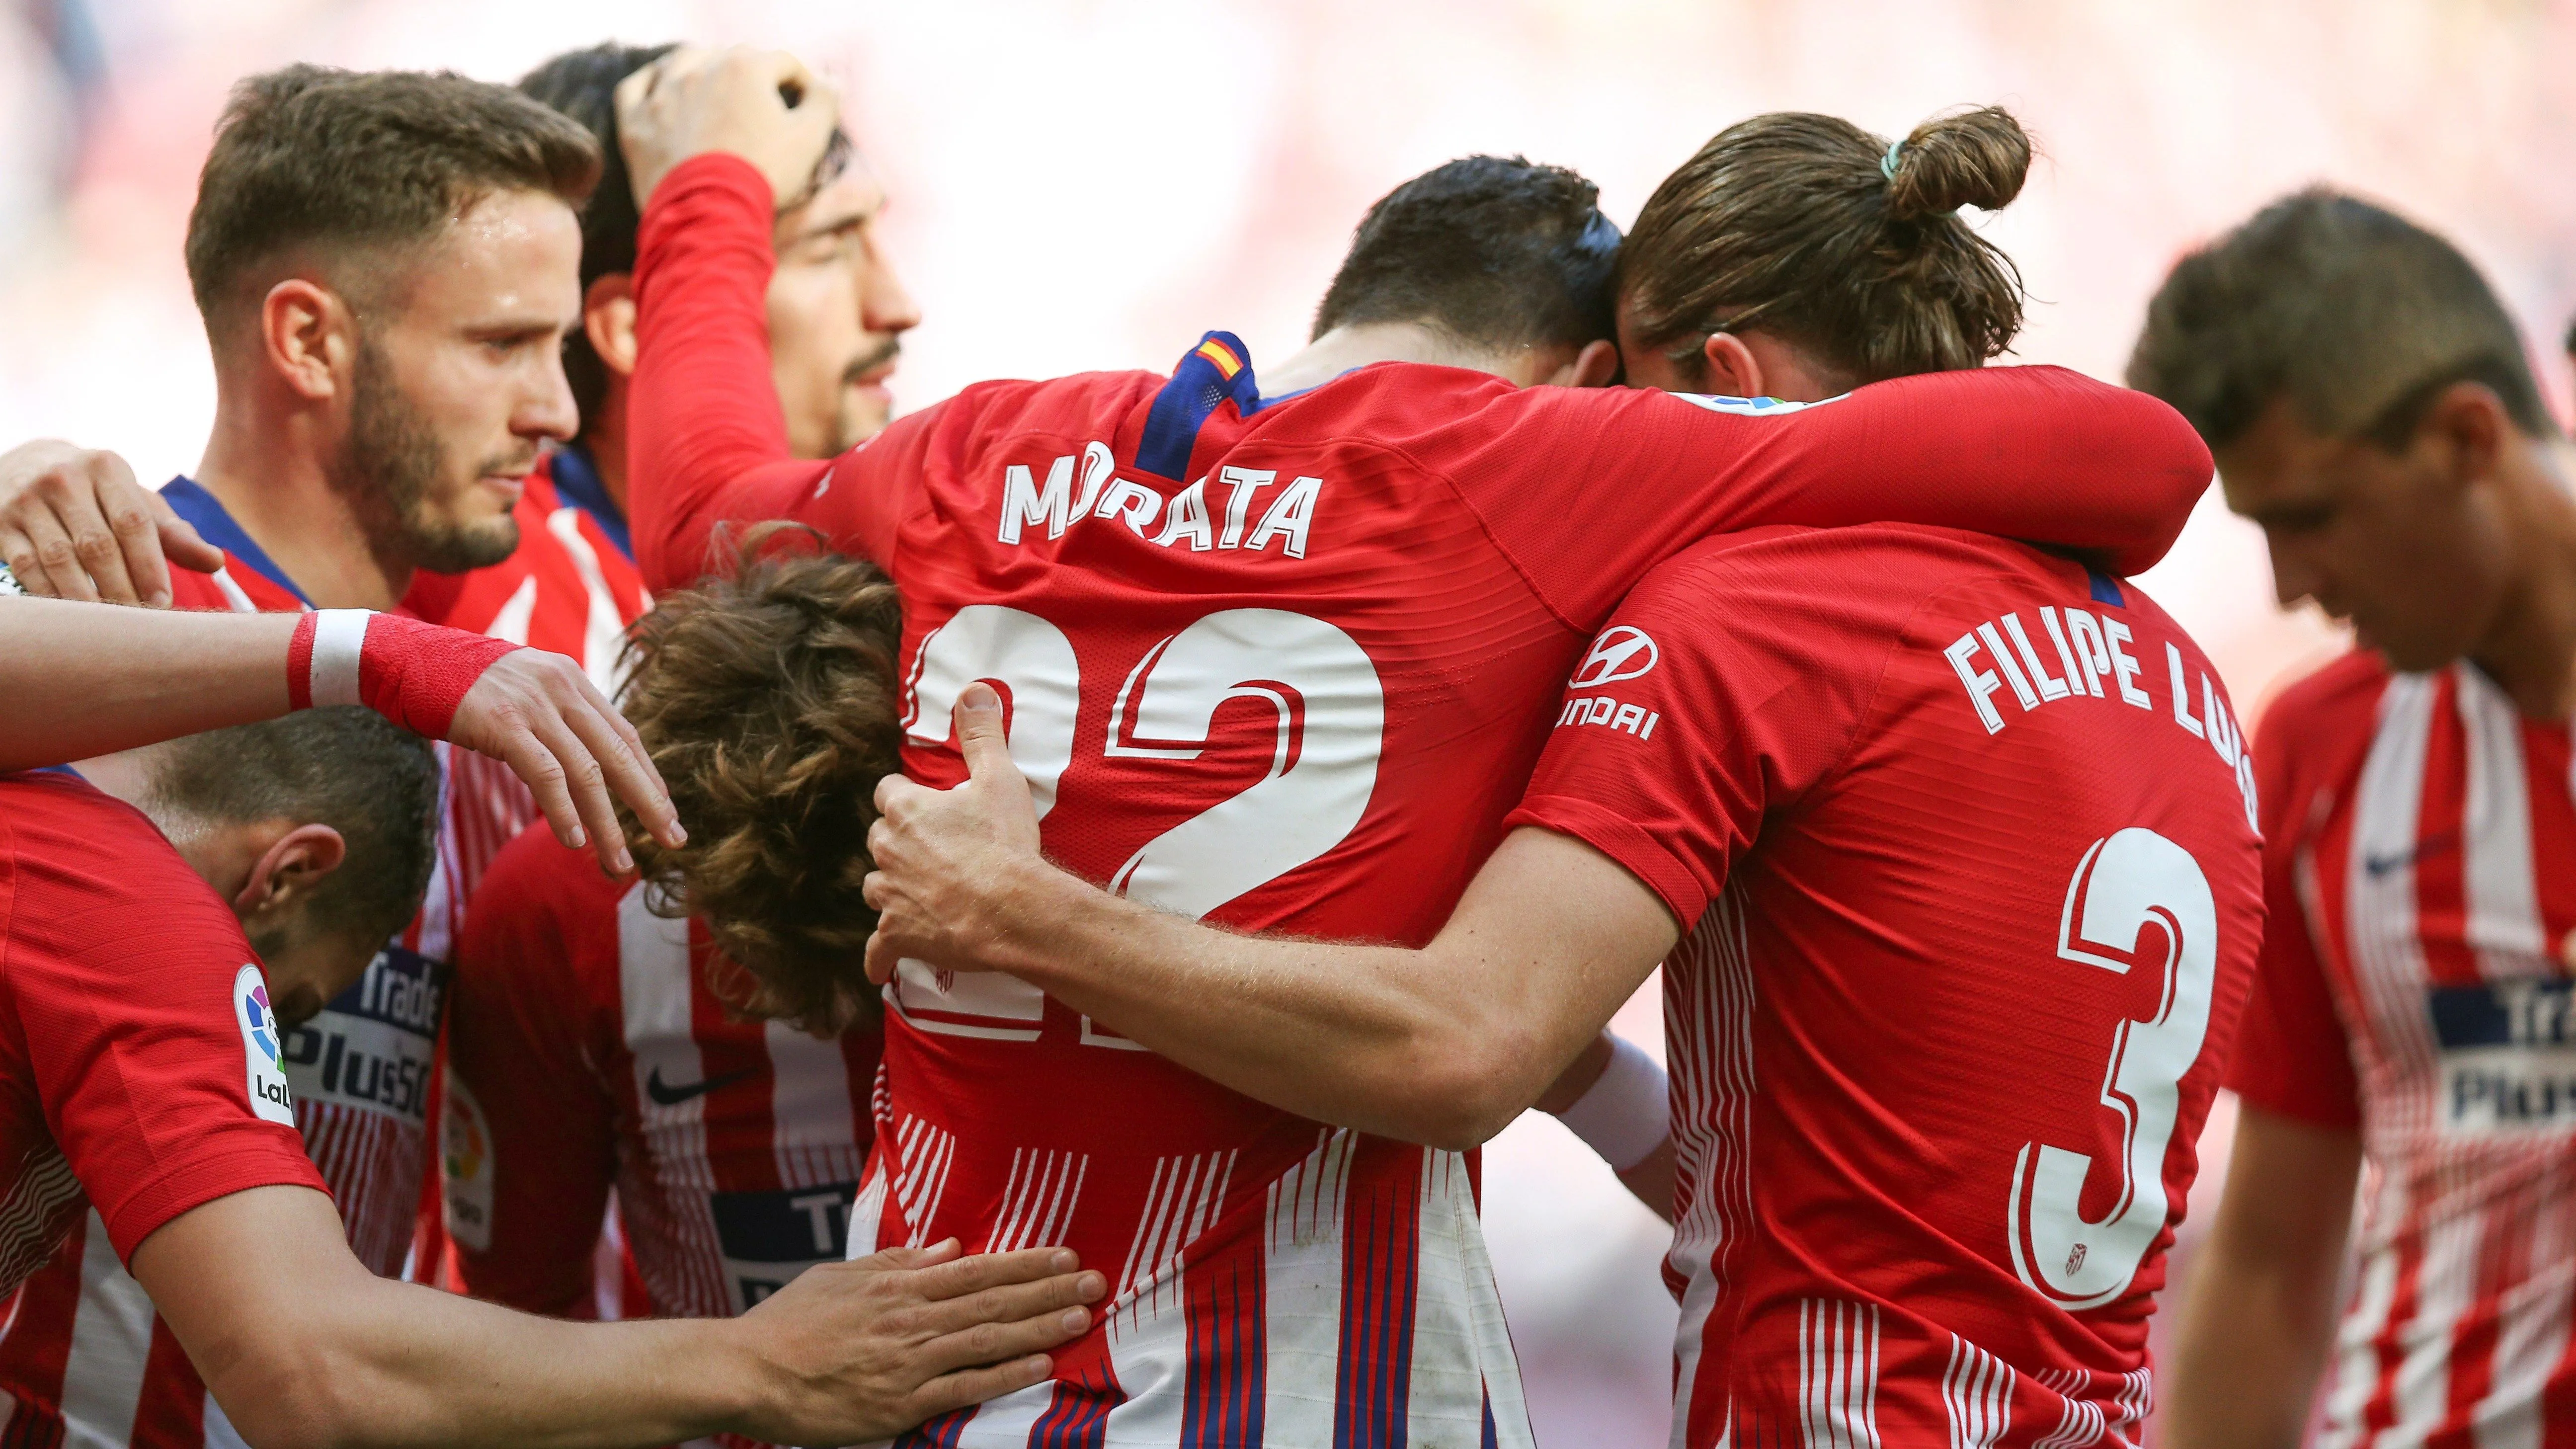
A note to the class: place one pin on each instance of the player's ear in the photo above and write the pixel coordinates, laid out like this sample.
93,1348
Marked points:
309,336
608,320
1732,368
288,872
1597,365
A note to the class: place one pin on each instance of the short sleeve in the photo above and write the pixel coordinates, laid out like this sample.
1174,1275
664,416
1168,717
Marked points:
2292,1054
1726,686
146,1020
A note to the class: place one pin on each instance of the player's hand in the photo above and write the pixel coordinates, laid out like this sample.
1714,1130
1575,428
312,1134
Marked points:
945,859
75,525
535,711
761,105
858,1352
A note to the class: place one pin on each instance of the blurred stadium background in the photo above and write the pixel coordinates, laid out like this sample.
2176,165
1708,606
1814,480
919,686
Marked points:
1091,183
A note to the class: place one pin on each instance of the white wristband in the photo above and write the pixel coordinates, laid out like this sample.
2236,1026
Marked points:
339,637
1629,1111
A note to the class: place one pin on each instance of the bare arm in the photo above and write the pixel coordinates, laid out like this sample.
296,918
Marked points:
1444,1045
2260,1315
92,679
303,1346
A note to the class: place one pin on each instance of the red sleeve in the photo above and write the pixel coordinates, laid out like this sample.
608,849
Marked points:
531,1136
145,1017
1702,721
707,444
2039,454
2292,1056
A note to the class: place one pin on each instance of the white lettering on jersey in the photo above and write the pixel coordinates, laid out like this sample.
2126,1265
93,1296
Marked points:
1288,521
2100,650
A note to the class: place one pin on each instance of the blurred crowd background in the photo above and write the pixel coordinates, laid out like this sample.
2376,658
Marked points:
1091,183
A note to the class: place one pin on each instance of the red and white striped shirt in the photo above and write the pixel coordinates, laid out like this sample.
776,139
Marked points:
585,1052
362,1070
2420,862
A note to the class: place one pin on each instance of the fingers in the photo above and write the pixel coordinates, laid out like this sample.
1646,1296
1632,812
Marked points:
586,782
974,1386
536,768
988,1343
1062,1296
180,542
19,553
58,573
997,1270
97,548
979,733
629,769
882,959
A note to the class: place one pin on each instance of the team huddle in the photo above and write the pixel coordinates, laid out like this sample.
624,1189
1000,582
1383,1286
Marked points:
619,894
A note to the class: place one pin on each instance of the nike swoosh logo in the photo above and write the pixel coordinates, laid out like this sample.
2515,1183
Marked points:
670,1096
2379,865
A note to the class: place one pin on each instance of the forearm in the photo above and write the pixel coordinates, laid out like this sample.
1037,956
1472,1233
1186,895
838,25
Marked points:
1397,1042
97,678
401,1364
707,442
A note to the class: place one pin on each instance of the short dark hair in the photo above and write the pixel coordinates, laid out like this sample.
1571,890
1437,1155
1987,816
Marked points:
582,85
341,766
309,155
767,699
1821,233
2355,314
1495,251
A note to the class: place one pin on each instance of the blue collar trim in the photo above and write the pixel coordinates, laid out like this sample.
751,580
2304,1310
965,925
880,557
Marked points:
576,479
215,526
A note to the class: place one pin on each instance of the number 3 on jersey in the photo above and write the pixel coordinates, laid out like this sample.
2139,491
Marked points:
2123,883
1331,712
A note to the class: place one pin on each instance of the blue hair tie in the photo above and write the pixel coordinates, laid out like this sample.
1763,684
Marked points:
1887,163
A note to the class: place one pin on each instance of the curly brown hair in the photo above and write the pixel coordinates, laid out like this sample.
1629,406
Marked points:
767,699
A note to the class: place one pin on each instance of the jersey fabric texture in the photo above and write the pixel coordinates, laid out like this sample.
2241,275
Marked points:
2420,860
585,1052
1283,664
139,1078
1964,851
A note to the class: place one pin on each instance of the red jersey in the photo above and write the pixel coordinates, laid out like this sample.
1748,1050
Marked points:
2420,859
570,587
139,1077
1280,663
1916,795
586,1052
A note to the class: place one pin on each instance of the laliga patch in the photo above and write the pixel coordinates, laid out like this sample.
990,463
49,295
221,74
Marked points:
261,1038
465,1155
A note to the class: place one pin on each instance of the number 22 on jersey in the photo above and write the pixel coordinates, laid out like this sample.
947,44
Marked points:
1331,712
2124,883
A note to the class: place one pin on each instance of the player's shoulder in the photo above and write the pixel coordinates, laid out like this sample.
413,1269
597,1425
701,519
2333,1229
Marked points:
2342,694
543,908
1082,401
90,872
1874,566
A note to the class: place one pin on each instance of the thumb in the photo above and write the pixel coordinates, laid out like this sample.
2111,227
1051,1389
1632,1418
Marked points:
980,737
180,542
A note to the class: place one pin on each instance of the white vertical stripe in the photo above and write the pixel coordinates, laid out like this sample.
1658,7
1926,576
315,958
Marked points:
510,623
1708,1005
2445,1285
1004,1423
868,1214
1462,1353
2380,903
604,633
814,1132
653,994
1148,1322
2532,1334
111,1340
234,598
1838,1373
2355,1375
1976,1393
1302,1292
339,638
2503,894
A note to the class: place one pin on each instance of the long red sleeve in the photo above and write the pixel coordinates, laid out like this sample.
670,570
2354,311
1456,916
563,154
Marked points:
706,442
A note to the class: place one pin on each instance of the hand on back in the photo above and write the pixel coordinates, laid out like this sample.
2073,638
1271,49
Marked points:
946,858
761,105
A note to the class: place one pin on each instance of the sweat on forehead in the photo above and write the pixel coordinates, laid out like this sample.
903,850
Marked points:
309,162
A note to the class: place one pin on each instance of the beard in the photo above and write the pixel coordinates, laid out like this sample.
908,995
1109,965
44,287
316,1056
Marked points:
853,421
387,466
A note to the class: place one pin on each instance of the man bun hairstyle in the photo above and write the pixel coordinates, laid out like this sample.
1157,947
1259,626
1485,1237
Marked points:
767,699
1497,252
344,766
2359,317
1849,248
312,157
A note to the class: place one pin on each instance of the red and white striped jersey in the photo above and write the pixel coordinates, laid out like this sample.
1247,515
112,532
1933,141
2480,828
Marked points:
586,1051
2420,860
1966,841
571,587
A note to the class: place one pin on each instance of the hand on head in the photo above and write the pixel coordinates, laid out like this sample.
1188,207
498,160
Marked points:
761,105
944,857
